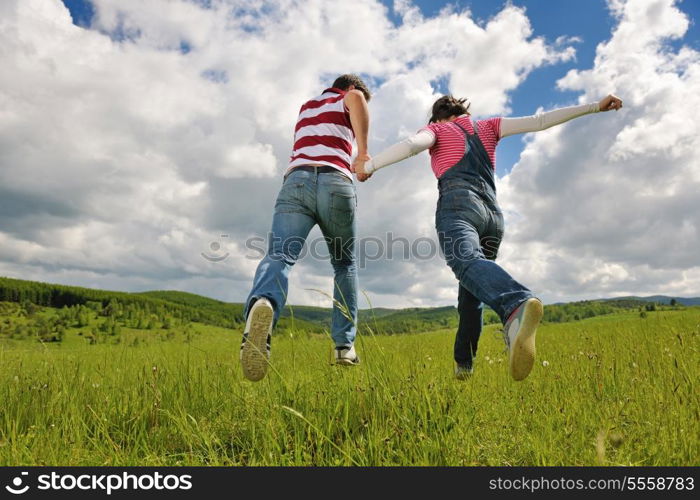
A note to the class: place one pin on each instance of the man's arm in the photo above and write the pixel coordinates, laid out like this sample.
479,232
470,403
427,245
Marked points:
359,118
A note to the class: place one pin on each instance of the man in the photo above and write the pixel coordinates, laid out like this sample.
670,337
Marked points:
317,189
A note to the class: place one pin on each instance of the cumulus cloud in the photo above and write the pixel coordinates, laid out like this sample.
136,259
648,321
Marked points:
606,204
127,147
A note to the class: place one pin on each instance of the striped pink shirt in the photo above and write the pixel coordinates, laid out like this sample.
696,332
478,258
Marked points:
323,134
450,142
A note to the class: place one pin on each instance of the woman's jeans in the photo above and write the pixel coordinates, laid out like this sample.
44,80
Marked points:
470,228
308,198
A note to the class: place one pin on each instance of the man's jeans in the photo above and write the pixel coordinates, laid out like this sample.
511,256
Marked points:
306,199
470,228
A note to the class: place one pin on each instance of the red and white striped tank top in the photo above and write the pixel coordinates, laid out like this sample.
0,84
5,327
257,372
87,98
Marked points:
323,134
449,144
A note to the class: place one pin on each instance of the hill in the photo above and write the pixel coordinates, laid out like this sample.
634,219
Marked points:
155,307
181,306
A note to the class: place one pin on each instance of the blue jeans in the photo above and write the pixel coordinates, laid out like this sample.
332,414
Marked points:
306,199
470,227
471,309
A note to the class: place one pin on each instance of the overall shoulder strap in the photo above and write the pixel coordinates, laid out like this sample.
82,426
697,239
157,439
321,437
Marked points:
466,137
462,128
475,126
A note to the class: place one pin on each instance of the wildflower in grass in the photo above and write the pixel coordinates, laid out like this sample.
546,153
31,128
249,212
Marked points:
615,439
545,363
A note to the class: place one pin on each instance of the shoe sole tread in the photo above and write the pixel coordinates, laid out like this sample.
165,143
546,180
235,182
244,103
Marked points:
522,357
254,356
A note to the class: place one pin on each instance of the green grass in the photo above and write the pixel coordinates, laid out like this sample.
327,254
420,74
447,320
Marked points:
617,390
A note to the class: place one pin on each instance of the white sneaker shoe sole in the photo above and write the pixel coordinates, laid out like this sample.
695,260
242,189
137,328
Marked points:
254,355
463,373
522,352
345,362
347,357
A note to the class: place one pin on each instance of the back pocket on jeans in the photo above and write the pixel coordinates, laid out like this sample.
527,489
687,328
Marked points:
342,209
290,197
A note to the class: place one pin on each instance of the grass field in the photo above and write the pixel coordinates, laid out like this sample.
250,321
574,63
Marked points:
610,390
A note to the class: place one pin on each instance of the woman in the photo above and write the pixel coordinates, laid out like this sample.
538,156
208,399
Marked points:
470,223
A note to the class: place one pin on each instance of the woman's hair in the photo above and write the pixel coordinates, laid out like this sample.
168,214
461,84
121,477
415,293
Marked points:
447,106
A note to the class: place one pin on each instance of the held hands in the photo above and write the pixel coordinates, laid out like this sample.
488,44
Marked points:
358,167
610,102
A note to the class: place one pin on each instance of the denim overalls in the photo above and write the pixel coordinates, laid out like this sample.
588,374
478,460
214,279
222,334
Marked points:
470,228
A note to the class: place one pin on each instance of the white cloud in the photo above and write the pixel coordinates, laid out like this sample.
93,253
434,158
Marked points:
606,204
127,148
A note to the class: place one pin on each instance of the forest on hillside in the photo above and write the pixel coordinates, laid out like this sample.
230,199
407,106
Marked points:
46,311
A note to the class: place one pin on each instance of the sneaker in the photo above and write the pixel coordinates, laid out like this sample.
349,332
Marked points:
255,348
519,334
346,356
463,372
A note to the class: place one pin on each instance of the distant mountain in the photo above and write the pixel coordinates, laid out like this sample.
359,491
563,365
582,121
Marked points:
306,313
184,298
659,299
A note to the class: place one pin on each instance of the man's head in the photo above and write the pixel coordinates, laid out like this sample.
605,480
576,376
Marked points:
349,82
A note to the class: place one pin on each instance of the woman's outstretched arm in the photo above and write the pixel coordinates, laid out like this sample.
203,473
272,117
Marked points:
509,126
399,151
542,121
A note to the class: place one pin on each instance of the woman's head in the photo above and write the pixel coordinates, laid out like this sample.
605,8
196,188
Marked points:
448,106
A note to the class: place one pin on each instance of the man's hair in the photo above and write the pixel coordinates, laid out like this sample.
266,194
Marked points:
344,81
447,106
